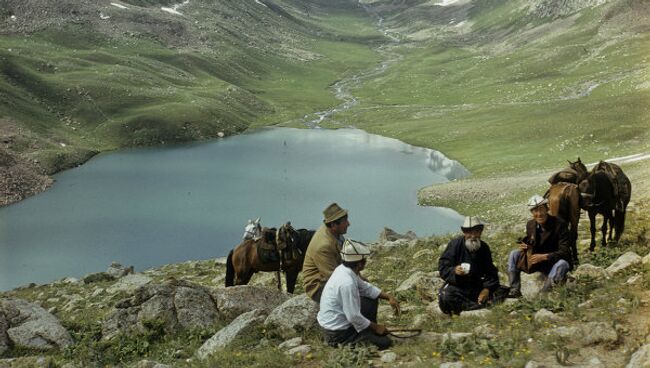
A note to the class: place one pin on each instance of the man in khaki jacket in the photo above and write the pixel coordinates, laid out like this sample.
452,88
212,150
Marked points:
323,253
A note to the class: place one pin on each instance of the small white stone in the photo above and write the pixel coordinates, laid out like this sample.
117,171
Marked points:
388,357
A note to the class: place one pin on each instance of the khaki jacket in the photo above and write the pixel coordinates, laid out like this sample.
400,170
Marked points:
322,257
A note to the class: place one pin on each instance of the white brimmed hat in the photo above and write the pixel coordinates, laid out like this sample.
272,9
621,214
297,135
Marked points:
536,201
472,222
354,251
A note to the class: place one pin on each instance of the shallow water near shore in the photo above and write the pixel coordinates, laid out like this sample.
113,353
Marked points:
148,207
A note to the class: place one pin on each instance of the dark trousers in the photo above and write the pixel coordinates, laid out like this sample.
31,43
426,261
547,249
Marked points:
350,336
453,300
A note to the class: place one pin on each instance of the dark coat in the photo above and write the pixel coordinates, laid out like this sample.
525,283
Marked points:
482,274
555,240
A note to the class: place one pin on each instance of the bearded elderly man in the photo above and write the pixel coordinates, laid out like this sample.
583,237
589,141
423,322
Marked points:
546,248
471,278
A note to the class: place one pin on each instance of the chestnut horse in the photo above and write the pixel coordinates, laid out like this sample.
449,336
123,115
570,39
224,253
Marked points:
564,202
277,250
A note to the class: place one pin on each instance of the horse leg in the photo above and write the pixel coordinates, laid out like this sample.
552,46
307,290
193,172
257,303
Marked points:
603,229
291,277
279,279
592,229
620,224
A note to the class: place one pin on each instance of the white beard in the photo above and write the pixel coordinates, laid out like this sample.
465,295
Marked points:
472,245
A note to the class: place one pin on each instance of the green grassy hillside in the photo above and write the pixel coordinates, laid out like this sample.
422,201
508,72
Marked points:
81,77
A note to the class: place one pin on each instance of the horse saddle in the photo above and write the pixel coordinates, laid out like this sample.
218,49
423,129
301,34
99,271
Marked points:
566,175
267,252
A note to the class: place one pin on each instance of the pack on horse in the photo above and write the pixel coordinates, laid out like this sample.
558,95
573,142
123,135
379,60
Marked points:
564,202
606,191
575,173
276,250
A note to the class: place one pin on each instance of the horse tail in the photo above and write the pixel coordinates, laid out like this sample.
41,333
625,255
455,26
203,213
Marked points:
230,271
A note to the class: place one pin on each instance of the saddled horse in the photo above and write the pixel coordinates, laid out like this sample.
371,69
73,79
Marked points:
575,173
276,250
606,191
564,202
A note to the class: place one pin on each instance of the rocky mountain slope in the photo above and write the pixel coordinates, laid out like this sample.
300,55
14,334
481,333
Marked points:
79,77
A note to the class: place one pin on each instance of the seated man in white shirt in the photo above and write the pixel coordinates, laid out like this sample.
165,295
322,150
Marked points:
340,315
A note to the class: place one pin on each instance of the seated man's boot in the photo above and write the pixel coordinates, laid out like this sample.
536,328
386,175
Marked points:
548,285
515,284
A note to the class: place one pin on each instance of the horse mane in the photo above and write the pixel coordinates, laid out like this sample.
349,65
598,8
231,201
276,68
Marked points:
304,237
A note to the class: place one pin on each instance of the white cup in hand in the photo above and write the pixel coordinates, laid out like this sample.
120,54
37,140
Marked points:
465,267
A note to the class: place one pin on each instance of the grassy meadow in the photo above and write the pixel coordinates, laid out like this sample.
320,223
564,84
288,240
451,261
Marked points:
507,92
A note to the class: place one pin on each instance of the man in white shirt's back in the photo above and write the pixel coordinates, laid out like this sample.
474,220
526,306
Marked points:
340,306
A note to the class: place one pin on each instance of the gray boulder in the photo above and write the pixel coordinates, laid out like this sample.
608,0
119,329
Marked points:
238,327
545,315
118,271
389,235
291,343
294,316
590,333
453,365
171,306
29,326
623,262
149,364
641,358
646,260
129,283
588,271
531,284
97,277
233,301
299,350
4,339
425,284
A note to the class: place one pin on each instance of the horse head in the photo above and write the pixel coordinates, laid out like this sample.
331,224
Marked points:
579,168
252,230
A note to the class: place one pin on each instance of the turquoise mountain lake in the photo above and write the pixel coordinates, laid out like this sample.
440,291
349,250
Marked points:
148,207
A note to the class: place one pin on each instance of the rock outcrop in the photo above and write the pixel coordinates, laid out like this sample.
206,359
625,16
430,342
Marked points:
294,316
623,262
238,327
170,306
26,325
640,358
233,301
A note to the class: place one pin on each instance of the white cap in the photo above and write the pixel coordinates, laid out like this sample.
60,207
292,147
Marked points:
536,201
471,222
354,251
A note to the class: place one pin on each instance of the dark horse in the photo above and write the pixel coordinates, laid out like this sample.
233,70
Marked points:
282,249
575,173
564,202
606,191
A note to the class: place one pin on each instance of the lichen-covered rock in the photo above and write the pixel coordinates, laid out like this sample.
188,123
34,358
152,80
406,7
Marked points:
233,301
97,277
426,284
29,326
588,271
170,306
531,284
623,262
238,327
640,358
118,271
4,339
129,283
589,333
294,316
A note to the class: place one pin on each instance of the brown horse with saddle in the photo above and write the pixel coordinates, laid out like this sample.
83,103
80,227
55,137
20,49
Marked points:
606,190
275,250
